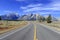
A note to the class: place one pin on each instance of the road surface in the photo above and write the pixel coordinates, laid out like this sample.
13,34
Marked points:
33,31
46,34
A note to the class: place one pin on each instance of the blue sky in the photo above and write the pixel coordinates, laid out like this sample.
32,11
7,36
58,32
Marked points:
42,7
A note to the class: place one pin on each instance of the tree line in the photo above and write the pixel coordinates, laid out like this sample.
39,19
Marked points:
48,19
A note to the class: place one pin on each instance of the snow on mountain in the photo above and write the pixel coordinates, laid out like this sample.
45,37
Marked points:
11,16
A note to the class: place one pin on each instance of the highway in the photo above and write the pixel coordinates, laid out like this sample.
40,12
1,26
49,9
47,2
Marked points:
46,34
33,31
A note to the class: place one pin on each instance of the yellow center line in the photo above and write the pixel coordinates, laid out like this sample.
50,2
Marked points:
35,38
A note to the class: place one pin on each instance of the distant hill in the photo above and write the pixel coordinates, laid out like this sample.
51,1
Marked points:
54,19
30,17
10,17
27,17
13,16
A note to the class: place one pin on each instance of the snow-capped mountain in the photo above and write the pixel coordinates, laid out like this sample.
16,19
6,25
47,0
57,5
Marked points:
54,19
14,16
29,17
11,16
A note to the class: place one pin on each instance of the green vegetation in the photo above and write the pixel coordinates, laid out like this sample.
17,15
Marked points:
42,19
49,18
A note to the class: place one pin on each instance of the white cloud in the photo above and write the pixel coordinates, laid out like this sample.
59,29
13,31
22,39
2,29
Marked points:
32,9
31,6
54,6
51,7
46,12
42,8
34,5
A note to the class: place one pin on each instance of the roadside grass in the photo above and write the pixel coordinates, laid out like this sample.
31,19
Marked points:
55,24
6,26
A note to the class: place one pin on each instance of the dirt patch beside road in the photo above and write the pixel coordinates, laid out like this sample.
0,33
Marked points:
11,25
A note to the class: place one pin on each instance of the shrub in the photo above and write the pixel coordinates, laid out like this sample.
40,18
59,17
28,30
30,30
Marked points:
49,18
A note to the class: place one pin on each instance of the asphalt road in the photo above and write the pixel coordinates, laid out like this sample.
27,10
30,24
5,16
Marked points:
33,31
25,33
44,33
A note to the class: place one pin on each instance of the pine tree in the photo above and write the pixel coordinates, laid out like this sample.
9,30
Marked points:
42,19
49,18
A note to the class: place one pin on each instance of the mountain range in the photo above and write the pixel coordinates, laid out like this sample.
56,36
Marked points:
13,16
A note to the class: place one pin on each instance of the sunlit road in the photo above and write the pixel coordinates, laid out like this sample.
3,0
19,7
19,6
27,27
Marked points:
33,31
46,34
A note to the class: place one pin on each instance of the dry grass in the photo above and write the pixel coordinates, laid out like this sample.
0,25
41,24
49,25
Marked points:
10,25
55,25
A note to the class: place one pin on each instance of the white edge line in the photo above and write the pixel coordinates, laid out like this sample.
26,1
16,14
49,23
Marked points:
14,32
50,28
